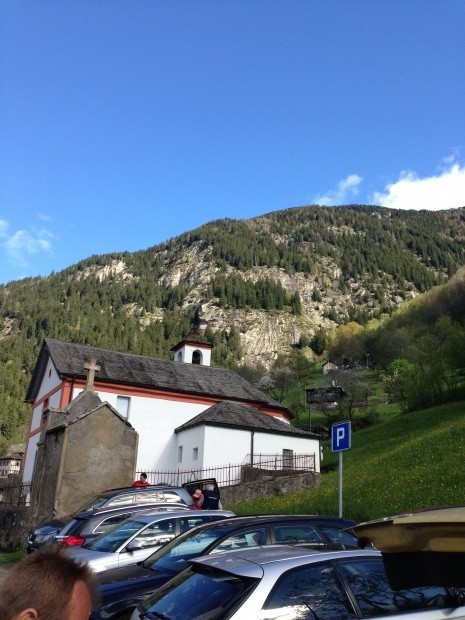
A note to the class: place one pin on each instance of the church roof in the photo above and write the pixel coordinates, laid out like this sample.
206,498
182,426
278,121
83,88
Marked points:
237,415
148,372
195,338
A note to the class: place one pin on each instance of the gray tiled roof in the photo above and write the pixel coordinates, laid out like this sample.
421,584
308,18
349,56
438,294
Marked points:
135,370
238,415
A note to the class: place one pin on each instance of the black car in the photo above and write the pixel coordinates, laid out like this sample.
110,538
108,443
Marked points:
122,589
127,498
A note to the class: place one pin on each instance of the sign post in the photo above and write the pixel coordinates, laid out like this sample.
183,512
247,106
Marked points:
340,441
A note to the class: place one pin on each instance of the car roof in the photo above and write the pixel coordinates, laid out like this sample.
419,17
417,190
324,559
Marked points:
162,507
153,517
269,519
191,512
250,561
131,489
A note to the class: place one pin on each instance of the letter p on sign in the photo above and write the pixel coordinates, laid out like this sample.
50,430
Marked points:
340,436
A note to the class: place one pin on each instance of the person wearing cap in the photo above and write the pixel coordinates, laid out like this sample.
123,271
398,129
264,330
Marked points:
197,496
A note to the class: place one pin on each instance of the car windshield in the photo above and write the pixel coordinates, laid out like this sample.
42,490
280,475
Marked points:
174,556
92,504
69,527
116,537
195,595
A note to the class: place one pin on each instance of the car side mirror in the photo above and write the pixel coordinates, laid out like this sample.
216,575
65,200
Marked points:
134,545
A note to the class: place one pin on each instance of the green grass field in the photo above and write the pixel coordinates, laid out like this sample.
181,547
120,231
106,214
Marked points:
407,461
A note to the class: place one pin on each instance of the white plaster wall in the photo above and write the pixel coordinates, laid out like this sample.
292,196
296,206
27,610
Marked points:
267,443
48,383
36,418
223,446
30,458
190,439
187,351
155,420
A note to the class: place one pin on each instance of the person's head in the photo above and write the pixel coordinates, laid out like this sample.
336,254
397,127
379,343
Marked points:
210,487
48,585
197,493
143,477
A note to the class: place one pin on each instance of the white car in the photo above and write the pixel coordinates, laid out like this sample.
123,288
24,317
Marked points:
136,538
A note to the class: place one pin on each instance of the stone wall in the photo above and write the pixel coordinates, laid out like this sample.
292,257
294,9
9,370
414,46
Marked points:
269,488
14,526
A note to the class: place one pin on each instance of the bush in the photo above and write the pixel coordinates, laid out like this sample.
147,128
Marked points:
365,419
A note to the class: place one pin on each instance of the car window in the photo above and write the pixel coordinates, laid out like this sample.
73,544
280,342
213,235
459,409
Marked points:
368,581
296,534
245,538
69,527
172,496
115,538
92,504
122,500
106,524
340,537
157,533
194,594
306,593
175,556
149,497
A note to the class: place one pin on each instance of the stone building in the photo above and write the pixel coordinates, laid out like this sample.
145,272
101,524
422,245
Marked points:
83,449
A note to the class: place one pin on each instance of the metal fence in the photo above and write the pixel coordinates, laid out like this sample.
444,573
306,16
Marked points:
15,494
259,467
253,468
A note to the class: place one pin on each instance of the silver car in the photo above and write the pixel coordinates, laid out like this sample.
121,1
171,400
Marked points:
136,538
289,583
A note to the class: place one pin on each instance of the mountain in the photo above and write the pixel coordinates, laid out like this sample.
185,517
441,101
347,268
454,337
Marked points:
257,286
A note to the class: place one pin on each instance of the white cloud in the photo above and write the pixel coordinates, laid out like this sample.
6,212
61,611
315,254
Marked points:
345,190
446,190
23,244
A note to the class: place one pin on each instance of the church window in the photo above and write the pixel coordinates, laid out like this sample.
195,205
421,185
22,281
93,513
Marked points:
179,454
123,405
197,357
195,454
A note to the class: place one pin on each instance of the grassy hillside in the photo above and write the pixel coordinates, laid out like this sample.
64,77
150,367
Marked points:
409,461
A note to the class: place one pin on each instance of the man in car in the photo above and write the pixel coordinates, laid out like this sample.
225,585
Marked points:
47,585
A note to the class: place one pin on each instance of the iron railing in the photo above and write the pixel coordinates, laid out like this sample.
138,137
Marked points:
259,467
15,494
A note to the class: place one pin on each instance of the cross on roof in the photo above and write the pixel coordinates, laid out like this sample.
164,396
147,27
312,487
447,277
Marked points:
91,367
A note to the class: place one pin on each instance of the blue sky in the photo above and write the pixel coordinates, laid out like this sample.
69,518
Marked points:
125,123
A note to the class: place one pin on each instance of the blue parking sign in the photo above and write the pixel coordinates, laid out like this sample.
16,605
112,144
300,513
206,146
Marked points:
340,436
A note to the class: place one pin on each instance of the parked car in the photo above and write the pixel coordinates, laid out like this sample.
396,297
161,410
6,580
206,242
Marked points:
86,527
122,589
287,583
137,537
422,547
115,499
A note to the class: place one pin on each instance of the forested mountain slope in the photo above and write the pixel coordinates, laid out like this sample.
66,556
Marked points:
258,286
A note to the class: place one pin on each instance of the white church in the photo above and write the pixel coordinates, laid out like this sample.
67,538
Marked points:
188,414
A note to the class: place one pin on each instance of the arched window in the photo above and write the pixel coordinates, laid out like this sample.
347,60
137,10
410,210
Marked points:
197,357
179,356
